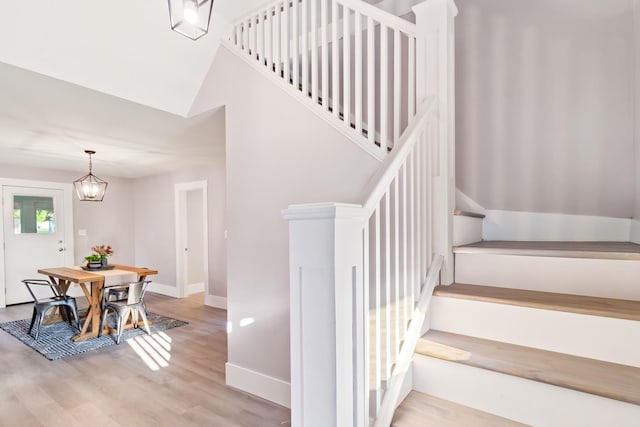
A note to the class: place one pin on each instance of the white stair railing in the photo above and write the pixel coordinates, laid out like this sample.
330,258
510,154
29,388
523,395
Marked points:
346,57
357,272
361,276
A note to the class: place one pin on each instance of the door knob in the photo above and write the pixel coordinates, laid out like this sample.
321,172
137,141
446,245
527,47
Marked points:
61,250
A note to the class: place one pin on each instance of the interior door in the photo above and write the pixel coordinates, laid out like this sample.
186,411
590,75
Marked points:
34,236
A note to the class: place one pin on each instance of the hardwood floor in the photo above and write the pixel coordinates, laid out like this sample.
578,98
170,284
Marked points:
116,387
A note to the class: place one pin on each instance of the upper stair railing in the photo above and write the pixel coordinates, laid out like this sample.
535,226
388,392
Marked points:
348,58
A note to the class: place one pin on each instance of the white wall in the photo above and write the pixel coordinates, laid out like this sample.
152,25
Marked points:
545,106
109,222
155,224
278,153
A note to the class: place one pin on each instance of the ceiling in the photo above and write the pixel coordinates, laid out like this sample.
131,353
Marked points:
108,76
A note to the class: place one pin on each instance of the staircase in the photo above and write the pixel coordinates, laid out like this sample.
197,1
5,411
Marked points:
540,333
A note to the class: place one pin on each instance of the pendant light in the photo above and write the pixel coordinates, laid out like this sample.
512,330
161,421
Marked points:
90,188
190,17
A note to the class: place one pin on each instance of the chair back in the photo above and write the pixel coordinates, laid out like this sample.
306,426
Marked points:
32,283
136,292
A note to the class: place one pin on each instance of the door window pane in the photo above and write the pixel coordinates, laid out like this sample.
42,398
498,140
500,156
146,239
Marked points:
33,214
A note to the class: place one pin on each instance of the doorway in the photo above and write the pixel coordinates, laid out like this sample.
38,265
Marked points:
37,232
192,238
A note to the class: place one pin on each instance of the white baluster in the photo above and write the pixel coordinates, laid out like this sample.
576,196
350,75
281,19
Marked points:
346,73
314,50
359,81
397,83
335,61
371,82
324,41
384,87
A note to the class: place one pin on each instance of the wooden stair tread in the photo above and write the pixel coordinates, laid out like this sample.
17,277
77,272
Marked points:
460,212
419,410
597,250
589,305
592,376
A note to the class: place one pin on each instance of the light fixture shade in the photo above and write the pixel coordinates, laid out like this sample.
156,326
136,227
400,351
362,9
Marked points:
190,17
90,188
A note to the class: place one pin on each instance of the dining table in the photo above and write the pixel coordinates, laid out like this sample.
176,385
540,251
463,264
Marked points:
92,283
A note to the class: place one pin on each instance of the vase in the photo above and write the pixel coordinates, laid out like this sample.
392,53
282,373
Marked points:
104,262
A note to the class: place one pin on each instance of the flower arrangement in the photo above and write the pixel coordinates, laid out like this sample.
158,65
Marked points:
101,252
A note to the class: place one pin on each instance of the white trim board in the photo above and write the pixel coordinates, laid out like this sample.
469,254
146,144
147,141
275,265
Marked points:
195,288
635,231
524,226
261,385
215,301
159,288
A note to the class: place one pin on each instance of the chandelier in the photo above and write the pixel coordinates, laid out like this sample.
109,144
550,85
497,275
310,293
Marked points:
190,17
90,188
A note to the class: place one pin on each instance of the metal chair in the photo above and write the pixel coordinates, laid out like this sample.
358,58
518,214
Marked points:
124,300
42,305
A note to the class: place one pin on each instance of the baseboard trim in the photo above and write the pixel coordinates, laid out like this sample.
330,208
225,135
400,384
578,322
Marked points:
195,288
159,288
261,385
215,301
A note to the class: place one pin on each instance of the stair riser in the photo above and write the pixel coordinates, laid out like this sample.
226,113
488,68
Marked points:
579,276
522,400
595,337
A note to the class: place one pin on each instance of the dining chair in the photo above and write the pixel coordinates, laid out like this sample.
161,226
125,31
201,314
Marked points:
125,300
43,304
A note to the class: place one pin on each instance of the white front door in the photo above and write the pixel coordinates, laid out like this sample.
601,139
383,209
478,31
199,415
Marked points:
34,236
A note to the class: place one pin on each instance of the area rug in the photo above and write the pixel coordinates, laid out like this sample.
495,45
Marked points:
54,341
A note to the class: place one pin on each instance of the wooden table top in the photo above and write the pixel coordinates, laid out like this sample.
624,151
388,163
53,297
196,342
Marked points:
82,276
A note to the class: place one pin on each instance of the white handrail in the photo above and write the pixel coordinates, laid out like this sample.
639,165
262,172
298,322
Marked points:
391,164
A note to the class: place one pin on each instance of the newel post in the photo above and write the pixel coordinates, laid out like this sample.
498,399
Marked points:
435,76
326,295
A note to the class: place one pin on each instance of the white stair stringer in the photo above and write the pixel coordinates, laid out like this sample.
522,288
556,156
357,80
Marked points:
607,278
594,337
519,399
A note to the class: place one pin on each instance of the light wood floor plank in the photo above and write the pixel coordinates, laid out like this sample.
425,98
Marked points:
594,306
115,387
605,379
422,410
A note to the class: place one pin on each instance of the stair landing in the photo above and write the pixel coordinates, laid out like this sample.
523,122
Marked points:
598,250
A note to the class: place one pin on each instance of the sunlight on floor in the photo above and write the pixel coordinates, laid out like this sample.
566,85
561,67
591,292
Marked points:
154,350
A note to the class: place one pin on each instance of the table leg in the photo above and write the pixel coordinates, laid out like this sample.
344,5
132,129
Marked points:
94,313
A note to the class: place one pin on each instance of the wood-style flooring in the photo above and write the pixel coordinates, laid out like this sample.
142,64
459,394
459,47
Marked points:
423,410
594,306
605,379
117,387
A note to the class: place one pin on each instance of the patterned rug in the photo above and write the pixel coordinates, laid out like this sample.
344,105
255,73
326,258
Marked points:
54,341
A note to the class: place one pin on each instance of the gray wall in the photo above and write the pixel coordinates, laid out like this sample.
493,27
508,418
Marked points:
109,222
278,153
154,221
545,106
